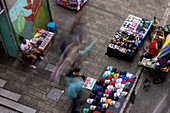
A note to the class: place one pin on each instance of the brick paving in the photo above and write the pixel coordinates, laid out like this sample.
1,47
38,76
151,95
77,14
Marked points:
101,21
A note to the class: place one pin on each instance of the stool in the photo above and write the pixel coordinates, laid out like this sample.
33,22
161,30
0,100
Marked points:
52,27
24,59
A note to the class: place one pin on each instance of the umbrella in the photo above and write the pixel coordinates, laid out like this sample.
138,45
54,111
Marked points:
166,47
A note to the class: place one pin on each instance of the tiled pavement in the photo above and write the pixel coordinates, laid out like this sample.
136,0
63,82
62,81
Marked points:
101,21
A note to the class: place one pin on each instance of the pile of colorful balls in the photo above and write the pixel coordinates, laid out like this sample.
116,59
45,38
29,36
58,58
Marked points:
112,86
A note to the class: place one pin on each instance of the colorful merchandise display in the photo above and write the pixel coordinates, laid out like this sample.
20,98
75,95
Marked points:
136,26
129,37
110,92
71,4
42,39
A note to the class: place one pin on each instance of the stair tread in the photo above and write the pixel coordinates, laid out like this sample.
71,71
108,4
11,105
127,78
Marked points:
16,106
9,94
2,83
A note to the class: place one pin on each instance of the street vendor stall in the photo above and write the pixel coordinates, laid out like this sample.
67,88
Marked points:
160,62
110,92
127,40
42,40
71,4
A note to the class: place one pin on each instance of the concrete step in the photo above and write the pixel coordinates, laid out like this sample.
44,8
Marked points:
16,106
4,109
2,83
8,102
8,94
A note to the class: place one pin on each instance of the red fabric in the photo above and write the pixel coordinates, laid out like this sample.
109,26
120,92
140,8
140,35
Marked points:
109,77
95,111
109,112
112,83
102,79
152,49
163,61
129,80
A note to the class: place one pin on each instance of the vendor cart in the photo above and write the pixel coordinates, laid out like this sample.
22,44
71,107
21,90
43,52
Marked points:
161,61
71,4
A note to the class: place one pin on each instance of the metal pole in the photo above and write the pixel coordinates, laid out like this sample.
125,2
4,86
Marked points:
10,27
49,10
1,39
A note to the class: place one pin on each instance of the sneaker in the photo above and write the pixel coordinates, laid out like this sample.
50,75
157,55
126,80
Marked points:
33,66
41,58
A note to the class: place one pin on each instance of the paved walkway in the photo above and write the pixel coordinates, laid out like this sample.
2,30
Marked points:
101,21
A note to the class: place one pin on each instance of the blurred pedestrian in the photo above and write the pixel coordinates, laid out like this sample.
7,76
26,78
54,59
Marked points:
74,34
74,90
73,54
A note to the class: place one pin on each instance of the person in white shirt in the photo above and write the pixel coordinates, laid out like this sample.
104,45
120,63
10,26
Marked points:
29,51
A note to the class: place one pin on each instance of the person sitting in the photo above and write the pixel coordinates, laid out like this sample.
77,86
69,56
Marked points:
152,50
29,51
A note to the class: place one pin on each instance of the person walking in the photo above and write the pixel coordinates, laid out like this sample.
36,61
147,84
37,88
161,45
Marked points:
74,90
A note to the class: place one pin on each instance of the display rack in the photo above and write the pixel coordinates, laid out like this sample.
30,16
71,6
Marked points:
109,79
127,40
42,43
